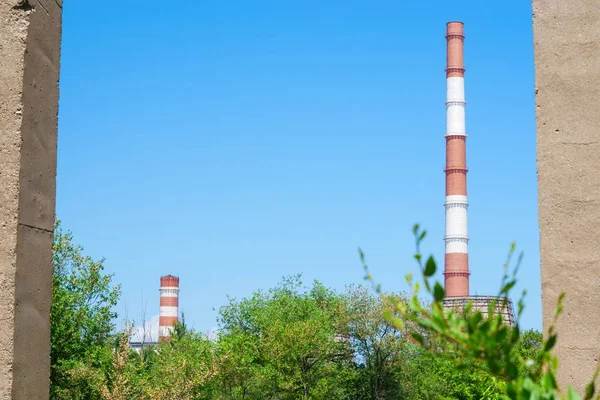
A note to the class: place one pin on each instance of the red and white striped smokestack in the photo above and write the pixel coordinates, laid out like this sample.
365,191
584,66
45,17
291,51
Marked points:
456,271
169,305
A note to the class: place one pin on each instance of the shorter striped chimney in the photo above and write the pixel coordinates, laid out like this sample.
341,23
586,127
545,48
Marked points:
169,305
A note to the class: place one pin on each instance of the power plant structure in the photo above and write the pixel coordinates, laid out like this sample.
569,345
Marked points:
456,260
145,338
169,306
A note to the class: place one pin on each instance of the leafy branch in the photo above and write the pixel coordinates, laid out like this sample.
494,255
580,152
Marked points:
477,339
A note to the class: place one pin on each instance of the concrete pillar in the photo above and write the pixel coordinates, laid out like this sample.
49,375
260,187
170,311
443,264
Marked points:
567,75
29,67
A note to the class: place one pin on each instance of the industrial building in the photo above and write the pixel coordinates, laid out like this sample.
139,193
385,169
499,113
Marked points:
168,315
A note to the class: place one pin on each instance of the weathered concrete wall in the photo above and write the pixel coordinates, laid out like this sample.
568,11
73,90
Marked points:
29,67
567,68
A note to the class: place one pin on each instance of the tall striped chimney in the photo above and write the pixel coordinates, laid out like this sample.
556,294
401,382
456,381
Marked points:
456,271
169,305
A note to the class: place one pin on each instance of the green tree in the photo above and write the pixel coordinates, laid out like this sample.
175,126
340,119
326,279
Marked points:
184,368
239,371
293,342
529,347
81,318
378,346
391,366
428,376
474,340
299,347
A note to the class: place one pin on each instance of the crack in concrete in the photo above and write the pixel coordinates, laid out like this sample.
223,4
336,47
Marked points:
42,5
579,144
37,228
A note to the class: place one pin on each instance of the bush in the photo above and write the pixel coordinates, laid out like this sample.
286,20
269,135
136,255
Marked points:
474,341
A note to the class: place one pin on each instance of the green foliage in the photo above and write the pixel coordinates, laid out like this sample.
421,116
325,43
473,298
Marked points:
294,343
183,369
81,319
427,375
474,340
239,369
289,342
379,348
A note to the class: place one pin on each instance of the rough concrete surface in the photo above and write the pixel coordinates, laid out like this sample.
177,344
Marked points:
567,69
29,68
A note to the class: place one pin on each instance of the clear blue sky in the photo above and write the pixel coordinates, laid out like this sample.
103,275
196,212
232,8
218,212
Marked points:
233,143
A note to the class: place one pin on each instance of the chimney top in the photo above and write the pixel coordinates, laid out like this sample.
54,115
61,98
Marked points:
169,280
455,28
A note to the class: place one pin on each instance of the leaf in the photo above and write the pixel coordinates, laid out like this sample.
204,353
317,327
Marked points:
548,381
512,371
554,363
560,304
507,287
468,308
416,228
511,391
418,337
550,343
423,234
430,267
572,395
438,292
493,365
501,334
561,297
590,389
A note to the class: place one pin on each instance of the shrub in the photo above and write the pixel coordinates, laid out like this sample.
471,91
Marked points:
477,341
